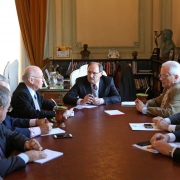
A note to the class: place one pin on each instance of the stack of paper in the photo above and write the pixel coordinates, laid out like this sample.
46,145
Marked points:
140,126
54,131
145,148
128,103
114,112
50,155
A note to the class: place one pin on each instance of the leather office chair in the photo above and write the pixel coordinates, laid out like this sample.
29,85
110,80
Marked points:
82,71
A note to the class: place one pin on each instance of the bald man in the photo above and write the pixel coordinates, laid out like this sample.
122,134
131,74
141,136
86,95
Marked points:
26,101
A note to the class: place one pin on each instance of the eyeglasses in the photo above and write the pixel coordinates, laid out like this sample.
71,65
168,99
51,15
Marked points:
94,73
164,75
10,108
42,77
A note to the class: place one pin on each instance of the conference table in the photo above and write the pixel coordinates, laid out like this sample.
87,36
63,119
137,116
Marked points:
101,149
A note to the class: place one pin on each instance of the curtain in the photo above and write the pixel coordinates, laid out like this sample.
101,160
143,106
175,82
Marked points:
32,21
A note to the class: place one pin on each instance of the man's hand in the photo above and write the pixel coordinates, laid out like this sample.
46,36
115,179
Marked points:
46,128
33,144
160,123
35,155
68,113
96,101
159,136
41,121
87,99
160,145
139,105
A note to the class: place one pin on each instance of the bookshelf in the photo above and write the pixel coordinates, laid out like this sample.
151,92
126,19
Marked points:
141,68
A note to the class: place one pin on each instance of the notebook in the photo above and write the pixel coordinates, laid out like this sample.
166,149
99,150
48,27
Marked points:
50,155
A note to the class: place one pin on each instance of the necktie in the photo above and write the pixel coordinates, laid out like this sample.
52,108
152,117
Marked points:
164,98
94,86
94,90
36,102
1,154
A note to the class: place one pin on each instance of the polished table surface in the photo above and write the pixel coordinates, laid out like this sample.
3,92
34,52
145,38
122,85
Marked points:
101,149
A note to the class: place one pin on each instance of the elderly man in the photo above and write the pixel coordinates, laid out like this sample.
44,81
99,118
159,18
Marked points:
12,140
94,88
25,126
160,142
168,103
26,101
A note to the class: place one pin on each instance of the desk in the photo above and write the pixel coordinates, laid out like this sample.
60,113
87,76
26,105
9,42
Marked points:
101,149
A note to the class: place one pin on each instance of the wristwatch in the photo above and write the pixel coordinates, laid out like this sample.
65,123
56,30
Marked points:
170,150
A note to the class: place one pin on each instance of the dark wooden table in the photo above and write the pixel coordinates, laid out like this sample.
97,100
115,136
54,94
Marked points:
101,149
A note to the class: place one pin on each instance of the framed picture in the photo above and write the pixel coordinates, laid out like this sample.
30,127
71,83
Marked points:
62,52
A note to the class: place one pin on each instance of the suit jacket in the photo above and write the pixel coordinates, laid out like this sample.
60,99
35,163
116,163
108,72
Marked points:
23,104
176,154
175,120
17,124
82,87
172,105
126,84
9,141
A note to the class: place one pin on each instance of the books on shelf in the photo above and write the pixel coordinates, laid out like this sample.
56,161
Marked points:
142,83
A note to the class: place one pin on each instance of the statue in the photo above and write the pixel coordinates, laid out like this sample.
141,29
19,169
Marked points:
156,35
85,53
168,43
134,54
156,51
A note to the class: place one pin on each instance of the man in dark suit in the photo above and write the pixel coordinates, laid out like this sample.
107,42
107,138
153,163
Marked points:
160,142
25,126
12,140
94,88
26,101
170,124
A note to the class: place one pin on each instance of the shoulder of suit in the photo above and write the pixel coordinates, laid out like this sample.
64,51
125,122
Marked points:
81,78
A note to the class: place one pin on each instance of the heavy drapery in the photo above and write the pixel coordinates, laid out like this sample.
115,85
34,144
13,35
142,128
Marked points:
32,20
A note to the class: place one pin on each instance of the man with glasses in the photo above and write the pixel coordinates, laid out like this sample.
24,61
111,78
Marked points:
12,140
25,126
168,103
94,88
26,101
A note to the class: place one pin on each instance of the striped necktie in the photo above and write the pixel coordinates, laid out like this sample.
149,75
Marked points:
94,90
165,98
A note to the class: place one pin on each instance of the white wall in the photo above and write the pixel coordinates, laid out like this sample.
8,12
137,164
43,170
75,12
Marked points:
9,33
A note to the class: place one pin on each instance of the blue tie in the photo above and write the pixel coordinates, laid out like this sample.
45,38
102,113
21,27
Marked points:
36,102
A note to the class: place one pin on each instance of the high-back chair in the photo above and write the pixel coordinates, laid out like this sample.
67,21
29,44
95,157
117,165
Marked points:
13,75
82,71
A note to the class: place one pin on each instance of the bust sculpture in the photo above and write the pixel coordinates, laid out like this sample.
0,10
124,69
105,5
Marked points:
168,43
85,53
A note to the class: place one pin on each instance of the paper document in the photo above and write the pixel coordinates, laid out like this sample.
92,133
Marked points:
50,155
85,106
140,126
114,112
128,103
55,131
176,144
